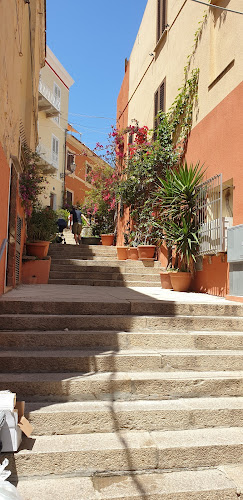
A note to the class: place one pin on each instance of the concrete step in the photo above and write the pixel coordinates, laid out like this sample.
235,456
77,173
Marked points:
100,282
59,387
112,306
119,322
69,248
122,451
113,416
57,262
123,361
213,484
120,340
81,266
108,275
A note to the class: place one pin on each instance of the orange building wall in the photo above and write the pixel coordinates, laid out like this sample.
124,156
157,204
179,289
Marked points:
122,122
4,197
217,141
76,182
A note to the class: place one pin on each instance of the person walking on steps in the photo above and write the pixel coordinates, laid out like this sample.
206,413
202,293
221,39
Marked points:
76,223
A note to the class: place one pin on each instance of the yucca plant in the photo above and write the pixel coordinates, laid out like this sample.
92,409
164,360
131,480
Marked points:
176,201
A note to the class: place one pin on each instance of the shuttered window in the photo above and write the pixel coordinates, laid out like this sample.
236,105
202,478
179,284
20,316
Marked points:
161,17
159,102
70,161
55,151
57,92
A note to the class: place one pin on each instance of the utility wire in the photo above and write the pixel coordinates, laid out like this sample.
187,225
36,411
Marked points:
217,7
91,116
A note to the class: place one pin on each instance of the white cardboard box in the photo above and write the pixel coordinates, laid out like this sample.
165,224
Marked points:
10,433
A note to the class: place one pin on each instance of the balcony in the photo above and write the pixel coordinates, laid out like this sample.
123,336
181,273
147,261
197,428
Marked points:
48,161
47,101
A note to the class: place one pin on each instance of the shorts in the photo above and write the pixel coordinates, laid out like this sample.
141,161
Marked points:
77,228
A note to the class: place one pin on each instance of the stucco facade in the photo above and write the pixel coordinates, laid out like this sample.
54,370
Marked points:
54,87
22,54
217,128
76,183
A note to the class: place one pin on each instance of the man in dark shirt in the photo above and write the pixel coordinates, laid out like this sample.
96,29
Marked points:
76,223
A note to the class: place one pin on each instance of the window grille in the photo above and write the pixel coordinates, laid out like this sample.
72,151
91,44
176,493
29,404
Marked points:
209,215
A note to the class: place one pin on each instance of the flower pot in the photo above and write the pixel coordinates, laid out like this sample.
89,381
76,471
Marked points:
132,253
146,251
165,280
180,281
107,239
121,253
38,248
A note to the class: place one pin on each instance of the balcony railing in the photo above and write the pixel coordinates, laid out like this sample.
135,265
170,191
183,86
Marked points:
48,160
47,101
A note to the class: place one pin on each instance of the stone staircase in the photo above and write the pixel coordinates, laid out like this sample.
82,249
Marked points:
133,399
97,265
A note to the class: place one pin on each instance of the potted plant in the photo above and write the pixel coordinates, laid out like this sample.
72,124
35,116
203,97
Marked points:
41,229
177,196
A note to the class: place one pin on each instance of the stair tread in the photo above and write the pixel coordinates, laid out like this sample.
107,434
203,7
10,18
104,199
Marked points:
162,485
182,404
134,439
115,376
67,352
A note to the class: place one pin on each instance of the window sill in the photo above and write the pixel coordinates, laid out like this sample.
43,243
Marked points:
162,38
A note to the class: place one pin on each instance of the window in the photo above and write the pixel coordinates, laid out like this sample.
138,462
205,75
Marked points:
161,17
57,95
70,161
69,199
54,151
159,102
53,201
57,92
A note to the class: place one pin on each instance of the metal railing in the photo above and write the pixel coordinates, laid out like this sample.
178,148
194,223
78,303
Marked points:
47,155
210,220
46,92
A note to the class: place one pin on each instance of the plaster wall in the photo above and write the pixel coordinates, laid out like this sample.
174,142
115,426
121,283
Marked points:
218,55
76,182
48,127
22,54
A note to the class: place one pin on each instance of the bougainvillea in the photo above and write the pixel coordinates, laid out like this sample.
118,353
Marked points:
100,201
31,182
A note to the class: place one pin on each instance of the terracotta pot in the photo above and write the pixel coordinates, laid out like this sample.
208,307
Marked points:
165,280
121,253
38,248
146,251
180,281
107,239
132,253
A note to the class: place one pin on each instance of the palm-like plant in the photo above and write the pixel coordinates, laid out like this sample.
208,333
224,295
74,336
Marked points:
176,200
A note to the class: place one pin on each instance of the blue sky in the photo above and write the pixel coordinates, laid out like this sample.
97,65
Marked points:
92,39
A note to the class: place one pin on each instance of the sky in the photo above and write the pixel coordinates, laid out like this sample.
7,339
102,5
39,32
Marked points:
91,39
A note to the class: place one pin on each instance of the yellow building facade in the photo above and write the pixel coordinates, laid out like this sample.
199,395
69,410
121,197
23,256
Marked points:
54,87
22,54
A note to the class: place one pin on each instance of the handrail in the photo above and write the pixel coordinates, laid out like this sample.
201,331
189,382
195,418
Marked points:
2,247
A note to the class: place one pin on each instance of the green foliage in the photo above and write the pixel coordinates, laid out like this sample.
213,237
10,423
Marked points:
100,200
176,200
42,224
63,213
